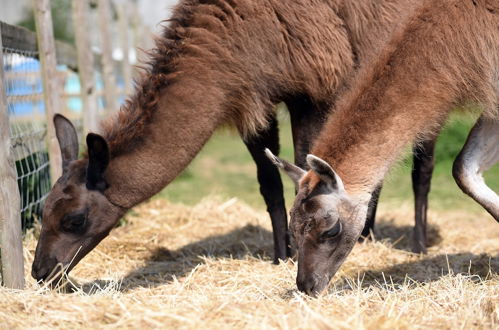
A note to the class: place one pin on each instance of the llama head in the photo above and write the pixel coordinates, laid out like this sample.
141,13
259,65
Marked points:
77,215
325,222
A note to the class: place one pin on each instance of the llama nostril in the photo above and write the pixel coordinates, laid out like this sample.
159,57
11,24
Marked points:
35,269
33,273
310,289
302,278
41,269
301,284
39,273
307,286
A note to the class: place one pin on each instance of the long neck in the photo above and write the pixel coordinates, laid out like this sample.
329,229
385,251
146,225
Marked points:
362,145
184,120
403,96
406,93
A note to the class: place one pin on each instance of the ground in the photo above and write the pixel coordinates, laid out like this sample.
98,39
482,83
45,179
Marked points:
209,266
182,260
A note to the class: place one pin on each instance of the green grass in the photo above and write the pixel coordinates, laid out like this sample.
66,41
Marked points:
224,167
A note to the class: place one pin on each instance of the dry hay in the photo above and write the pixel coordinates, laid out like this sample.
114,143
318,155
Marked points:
172,266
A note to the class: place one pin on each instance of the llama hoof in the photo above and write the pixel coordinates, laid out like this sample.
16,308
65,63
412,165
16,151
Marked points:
363,238
418,248
278,260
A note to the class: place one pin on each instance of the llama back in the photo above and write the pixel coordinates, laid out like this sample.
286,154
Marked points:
456,42
256,53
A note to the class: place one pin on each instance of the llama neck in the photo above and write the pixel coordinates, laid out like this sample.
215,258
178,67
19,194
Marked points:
363,144
393,101
185,118
406,93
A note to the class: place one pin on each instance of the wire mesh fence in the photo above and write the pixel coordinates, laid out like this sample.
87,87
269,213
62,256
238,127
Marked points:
28,127
23,87
27,113
27,120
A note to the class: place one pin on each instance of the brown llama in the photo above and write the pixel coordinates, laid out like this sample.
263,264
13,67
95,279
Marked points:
219,61
447,55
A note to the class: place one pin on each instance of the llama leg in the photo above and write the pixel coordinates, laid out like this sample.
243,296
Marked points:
303,136
480,152
371,213
422,170
271,186
306,123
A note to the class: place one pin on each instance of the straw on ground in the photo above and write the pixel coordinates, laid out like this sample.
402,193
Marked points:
209,266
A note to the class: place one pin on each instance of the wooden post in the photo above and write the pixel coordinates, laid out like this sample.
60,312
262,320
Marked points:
62,76
12,260
139,38
46,50
125,46
110,96
85,65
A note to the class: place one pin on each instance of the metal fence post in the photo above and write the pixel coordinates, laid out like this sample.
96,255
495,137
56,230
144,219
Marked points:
46,48
10,203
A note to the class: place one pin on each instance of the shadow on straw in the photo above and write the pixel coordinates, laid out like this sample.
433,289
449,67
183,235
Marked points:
401,236
163,265
423,271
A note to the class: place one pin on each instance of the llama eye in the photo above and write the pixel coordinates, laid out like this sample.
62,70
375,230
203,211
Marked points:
74,222
310,206
333,232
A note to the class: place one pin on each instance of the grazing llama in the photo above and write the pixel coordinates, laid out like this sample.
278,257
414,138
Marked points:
447,55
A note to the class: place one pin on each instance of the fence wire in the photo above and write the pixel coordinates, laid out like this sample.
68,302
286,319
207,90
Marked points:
28,128
23,87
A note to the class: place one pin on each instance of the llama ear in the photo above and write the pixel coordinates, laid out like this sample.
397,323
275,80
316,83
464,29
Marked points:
68,140
98,159
325,172
293,171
